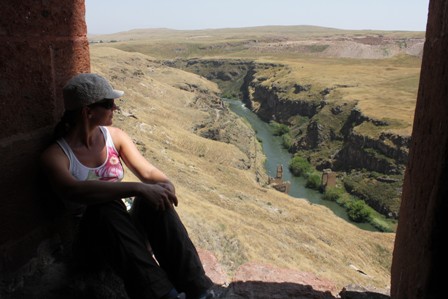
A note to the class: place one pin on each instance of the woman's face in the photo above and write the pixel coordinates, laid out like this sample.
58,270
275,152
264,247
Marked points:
101,113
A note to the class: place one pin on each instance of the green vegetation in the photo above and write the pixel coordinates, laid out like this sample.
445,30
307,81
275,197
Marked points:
314,181
299,166
279,129
333,194
287,141
357,211
285,132
376,189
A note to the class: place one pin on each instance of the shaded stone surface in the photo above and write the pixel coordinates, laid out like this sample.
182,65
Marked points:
253,271
357,292
53,280
254,280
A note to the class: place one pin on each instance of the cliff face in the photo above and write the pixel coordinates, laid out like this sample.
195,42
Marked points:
268,103
331,134
386,154
361,151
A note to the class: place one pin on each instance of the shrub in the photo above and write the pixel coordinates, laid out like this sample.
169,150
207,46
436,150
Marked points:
279,129
287,141
313,181
358,211
381,225
299,166
344,199
332,194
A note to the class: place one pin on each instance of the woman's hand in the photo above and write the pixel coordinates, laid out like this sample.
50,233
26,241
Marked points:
158,197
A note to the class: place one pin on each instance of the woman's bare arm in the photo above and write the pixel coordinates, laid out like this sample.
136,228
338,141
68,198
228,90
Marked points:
138,164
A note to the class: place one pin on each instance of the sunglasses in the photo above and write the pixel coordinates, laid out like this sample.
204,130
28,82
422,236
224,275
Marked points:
106,104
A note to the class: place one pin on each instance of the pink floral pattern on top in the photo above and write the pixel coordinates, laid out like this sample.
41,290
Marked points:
111,171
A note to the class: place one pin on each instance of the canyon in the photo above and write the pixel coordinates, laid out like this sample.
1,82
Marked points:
324,130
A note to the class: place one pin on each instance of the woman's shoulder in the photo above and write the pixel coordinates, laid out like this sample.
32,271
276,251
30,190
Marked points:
52,149
119,136
114,131
52,153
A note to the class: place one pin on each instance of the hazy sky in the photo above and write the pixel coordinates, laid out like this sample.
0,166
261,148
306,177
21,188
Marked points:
110,16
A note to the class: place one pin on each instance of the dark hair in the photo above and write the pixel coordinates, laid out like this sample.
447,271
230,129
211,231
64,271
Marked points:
67,122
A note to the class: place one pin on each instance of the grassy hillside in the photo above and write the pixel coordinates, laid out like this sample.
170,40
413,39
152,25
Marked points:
222,199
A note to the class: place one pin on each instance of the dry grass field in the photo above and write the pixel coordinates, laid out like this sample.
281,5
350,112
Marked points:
223,205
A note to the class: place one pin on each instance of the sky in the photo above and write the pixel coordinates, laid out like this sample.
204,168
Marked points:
111,16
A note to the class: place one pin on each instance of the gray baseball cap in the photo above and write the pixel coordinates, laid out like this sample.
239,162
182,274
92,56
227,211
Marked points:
85,89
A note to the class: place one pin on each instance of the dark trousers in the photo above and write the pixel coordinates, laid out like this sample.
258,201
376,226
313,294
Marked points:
114,237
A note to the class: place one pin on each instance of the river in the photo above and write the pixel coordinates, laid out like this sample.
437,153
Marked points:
276,154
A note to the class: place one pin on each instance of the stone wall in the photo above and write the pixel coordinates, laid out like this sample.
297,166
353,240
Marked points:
420,257
43,44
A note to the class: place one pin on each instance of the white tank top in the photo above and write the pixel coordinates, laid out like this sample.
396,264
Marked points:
111,169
